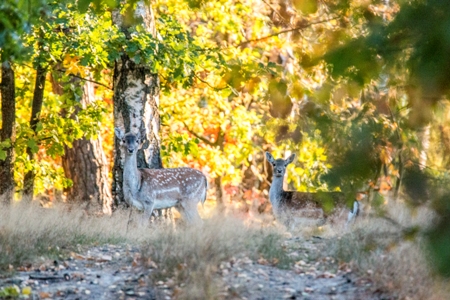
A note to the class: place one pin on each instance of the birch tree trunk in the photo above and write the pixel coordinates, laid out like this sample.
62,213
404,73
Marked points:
136,101
86,164
7,88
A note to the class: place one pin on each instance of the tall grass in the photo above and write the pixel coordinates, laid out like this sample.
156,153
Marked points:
30,231
191,257
387,254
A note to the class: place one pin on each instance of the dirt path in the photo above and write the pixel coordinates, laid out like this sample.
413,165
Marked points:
312,277
105,272
114,272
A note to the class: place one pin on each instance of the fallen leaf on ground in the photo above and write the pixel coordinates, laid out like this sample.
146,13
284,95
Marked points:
44,295
104,258
326,275
263,261
26,290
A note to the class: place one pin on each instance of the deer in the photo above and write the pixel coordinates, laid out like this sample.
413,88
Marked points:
149,189
285,202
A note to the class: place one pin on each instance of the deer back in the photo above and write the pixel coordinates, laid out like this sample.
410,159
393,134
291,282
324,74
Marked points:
300,200
176,183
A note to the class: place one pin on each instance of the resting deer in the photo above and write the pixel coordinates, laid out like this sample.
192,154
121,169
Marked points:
148,189
283,202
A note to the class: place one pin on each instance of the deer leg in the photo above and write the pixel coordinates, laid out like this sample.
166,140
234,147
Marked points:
353,213
129,218
195,217
189,213
148,210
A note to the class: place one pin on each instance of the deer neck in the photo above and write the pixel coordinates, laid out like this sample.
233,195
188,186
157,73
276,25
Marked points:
131,176
275,192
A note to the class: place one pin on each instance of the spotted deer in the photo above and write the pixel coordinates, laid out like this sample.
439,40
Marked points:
149,189
285,202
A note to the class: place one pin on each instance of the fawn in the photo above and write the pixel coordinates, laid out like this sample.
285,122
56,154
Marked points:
285,202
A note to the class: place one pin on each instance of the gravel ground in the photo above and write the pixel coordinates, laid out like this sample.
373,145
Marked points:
115,272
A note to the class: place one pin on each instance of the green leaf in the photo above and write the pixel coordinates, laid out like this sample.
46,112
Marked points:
39,126
12,291
5,144
140,28
306,6
33,145
83,5
2,154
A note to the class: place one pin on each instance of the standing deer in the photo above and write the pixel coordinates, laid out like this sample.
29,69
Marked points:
148,189
283,202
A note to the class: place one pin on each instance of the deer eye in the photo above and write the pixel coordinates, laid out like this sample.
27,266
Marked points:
273,165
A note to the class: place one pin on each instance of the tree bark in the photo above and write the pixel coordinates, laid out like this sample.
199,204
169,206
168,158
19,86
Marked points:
86,165
221,194
136,101
38,99
423,134
7,88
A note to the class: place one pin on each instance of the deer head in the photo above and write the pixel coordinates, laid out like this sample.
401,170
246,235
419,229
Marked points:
130,142
279,165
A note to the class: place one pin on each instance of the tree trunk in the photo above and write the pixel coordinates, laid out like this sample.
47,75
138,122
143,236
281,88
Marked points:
86,165
424,138
38,99
221,194
8,132
136,101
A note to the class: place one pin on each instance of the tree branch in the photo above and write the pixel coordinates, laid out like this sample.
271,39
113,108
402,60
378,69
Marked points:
279,15
208,84
286,31
202,138
90,80
76,76
85,79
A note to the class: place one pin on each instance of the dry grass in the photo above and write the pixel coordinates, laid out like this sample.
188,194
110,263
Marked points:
394,260
190,257
30,231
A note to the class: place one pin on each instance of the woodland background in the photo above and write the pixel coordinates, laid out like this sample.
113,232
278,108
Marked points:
357,89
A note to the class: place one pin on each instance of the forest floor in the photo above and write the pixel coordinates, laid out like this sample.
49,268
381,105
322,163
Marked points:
117,272
63,253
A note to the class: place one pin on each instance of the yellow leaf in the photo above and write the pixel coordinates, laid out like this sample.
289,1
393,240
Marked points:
70,63
26,290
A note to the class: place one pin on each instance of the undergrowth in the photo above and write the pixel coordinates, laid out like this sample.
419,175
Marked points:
191,256
29,231
390,253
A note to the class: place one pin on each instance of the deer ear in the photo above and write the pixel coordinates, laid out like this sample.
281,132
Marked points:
269,157
119,133
290,159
